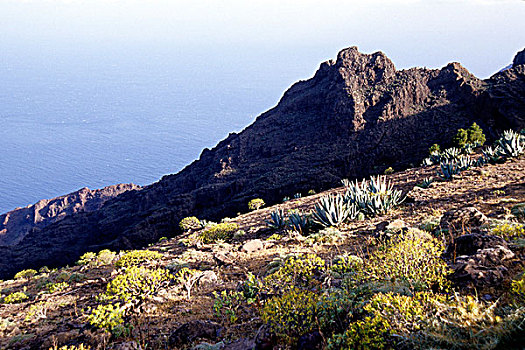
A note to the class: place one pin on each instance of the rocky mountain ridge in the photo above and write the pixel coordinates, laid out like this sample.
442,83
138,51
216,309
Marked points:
14,225
356,116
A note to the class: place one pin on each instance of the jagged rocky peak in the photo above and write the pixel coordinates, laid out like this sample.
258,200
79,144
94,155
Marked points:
16,224
519,58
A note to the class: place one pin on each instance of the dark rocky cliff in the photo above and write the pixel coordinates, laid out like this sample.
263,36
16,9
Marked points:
356,116
15,224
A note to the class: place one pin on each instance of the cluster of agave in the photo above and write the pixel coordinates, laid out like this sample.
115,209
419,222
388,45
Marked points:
296,221
452,167
374,197
450,154
332,210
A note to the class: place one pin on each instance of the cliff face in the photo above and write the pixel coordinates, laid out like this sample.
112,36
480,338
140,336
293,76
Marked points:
15,224
356,116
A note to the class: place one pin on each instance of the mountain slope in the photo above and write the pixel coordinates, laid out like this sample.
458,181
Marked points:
356,116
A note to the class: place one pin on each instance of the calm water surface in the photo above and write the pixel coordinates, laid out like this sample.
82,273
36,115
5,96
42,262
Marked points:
92,118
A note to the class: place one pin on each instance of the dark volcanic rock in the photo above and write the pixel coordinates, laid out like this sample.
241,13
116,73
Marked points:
15,224
519,58
355,116
462,220
193,330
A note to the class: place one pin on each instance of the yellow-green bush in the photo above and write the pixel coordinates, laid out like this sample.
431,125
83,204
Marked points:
518,288
16,297
37,311
137,283
301,271
226,305
137,257
104,257
25,274
256,204
371,333
291,314
222,231
189,223
71,347
56,287
109,317
187,278
509,231
411,264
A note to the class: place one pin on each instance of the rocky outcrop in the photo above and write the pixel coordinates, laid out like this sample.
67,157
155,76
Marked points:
356,116
15,224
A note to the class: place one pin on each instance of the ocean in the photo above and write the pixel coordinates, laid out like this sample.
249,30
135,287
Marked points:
93,117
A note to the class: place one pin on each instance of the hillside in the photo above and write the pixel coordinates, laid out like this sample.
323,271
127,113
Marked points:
281,289
358,115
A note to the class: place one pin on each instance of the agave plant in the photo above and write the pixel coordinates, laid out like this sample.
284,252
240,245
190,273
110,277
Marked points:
277,219
448,170
490,155
333,211
511,144
450,154
376,197
426,182
464,163
298,222
468,148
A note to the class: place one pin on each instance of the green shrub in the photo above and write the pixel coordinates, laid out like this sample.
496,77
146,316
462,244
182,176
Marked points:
518,288
435,148
222,231
371,333
475,135
461,138
302,271
509,231
256,204
292,314
226,305
388,171
109,317
105,257
87,259
411,264
37,311
137,257
15,298
190,223
56,287
137,283
251,287
27,274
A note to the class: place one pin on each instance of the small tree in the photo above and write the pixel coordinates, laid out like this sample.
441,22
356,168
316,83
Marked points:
475,135
461,138
435,148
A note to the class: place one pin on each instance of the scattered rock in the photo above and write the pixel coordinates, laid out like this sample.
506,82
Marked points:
252,246
265,339
470,244
207,277
222,259
480,261
310,341
193,330
241,344
130,345
463,220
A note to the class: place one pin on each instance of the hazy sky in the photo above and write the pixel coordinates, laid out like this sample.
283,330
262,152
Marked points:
482,34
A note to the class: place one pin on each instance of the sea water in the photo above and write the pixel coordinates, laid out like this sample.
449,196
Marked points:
94,117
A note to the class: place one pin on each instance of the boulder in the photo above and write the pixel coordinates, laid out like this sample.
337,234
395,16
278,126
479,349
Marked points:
252,246
193,330
463,220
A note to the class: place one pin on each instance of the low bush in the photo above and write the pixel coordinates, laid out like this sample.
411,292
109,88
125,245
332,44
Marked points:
371,333
226,305
190,223
109,317
509,231
406,264
256,204
223,231
137,283
137,257
291,314
15,298
300,271
27,274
